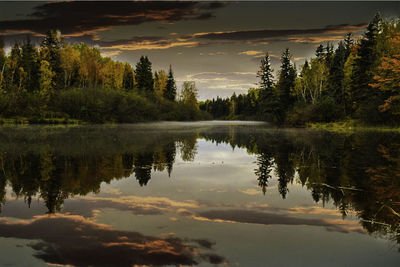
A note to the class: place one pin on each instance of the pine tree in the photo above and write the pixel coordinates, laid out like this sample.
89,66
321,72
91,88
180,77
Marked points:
329,55
265,74
348,43
363,72
144,76
30,64
336,73
267,97
367,57
170,90
15,65
50,51
128,77
286,83
320,52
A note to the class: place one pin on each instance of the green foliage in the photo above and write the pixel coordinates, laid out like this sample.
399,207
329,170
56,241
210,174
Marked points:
268,100
129,77
74,82
100,105
325,110
50,50
144,76
357,80
188,95
170,89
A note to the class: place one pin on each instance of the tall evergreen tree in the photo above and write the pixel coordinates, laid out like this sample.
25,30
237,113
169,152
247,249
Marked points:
267,97
128,77
265,74
50,51
365,65
336,73
170,90
15,65
144,76
30,64
348,43
329,54
286,82
320,52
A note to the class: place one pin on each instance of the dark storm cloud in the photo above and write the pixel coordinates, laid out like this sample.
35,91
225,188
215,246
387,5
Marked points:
270,33
256,217
134,39
74,240
77,18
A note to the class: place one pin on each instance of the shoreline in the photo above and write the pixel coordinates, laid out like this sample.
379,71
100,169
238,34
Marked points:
349,126
341,126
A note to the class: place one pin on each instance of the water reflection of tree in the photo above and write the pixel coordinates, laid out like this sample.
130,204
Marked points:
358,172
59,168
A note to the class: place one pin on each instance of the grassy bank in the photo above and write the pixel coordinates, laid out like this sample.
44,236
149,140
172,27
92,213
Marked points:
47,121
350,126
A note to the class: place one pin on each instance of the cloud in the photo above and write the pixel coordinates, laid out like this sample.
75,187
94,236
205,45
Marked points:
270,33
221,76
134,204
315,39
219,53
150,45
251,191
77,18
315,210
74,240
250,53
111,53
205,243
229,82
89,206
256,217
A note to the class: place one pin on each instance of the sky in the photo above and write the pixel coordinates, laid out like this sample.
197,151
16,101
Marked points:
218,45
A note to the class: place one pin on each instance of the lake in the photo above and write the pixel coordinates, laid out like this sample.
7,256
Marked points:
202,193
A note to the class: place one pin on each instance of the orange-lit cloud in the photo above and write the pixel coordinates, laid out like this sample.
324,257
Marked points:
256,217
74,240
250,53
151,45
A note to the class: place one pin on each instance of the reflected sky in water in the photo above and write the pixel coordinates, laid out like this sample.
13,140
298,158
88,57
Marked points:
208,193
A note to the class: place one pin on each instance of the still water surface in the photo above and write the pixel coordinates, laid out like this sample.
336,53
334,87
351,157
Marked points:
227,193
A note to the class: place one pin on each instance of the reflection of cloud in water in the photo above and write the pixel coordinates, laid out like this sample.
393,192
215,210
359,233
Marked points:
74,240
251,191
316,210
256,217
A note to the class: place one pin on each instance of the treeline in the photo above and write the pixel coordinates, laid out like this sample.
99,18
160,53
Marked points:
356,80
57,80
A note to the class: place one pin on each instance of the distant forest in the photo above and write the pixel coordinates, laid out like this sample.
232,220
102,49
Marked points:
57,82
359,81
